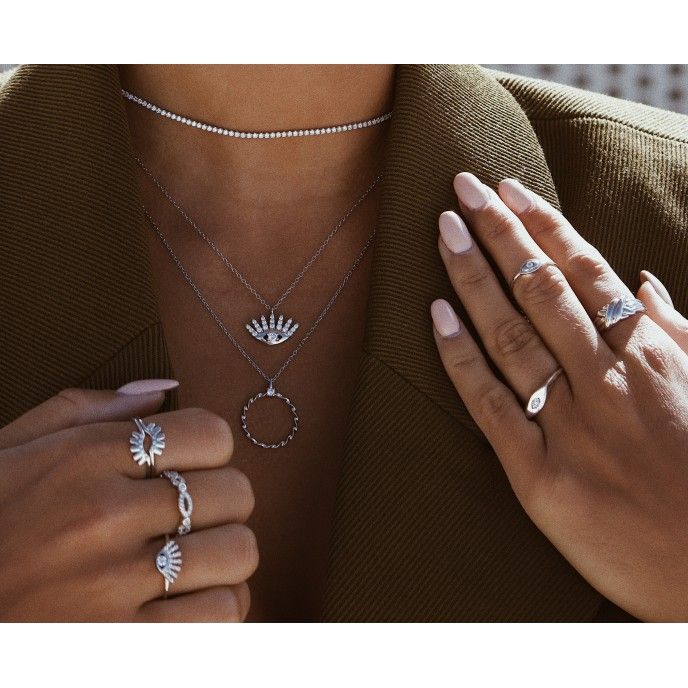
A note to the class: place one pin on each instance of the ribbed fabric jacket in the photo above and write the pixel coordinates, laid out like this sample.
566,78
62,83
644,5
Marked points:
425,529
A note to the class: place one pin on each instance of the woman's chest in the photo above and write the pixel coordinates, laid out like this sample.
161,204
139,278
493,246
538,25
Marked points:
295,486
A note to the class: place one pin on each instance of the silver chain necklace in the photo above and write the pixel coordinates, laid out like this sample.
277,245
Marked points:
270,379
268,330
234,133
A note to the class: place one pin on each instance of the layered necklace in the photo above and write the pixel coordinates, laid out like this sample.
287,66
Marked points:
270,327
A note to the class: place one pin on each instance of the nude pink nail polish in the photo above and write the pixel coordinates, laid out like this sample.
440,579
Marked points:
515,195
444,318
471,191
147,386
647,276
454,232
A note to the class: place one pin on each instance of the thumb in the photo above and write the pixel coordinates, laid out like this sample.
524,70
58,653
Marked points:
72,407
660,308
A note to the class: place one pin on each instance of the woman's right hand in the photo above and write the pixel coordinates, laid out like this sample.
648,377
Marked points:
81,526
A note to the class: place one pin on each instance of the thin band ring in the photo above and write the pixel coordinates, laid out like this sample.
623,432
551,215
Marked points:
539,397
530,266
184,502
616,310
168,561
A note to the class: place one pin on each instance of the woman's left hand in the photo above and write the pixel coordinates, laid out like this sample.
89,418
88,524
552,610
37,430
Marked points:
602,469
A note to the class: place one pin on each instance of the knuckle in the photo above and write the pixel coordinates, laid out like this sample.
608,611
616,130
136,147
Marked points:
75,449
243,595
72,402
229,606
514,336
656,358
461,360
215,427
543,286
495,401
541,219
588,266
472,278
615,383
499,223
244,490
244,548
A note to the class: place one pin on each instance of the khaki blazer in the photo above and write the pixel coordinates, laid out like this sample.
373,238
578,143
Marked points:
426,527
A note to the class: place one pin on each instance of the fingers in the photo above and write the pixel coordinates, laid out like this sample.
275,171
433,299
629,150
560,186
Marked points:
224,604
226,555
194,439
663,314
219,496
545,296
511,341
74,407
589,274
494,407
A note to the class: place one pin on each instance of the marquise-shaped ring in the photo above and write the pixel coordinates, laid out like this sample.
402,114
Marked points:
529,267
168,561
538,398
137,442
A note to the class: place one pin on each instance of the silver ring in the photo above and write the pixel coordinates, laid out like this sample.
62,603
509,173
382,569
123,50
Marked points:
137,442
530,266
168,561
539,397
616,310
184,502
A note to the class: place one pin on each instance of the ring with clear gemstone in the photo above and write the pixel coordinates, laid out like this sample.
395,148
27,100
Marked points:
184,501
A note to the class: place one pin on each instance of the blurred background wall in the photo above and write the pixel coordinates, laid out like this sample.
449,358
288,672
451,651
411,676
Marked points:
664,86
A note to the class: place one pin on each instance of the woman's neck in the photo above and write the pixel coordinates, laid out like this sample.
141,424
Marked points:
263,97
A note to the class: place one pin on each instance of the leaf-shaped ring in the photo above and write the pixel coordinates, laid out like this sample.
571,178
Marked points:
143,456
616,310
184,502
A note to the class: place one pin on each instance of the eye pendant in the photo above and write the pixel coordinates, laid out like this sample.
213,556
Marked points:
272,332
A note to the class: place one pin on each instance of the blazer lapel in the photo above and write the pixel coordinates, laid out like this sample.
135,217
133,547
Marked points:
73,256
427,527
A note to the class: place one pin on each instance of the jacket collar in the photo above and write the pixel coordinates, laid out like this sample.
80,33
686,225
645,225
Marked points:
447,119
427,527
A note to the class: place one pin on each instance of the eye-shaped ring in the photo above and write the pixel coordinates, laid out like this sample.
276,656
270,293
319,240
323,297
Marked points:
168,561
272,332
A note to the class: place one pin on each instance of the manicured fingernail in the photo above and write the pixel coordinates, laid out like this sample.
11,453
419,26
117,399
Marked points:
516,196
444,318
471,191
147,386
646,276
454,232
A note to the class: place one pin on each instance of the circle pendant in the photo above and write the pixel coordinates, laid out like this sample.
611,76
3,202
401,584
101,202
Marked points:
271,392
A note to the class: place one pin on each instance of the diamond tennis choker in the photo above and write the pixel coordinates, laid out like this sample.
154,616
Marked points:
222,131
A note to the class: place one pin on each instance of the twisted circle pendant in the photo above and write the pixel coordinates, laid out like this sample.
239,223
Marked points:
270,392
